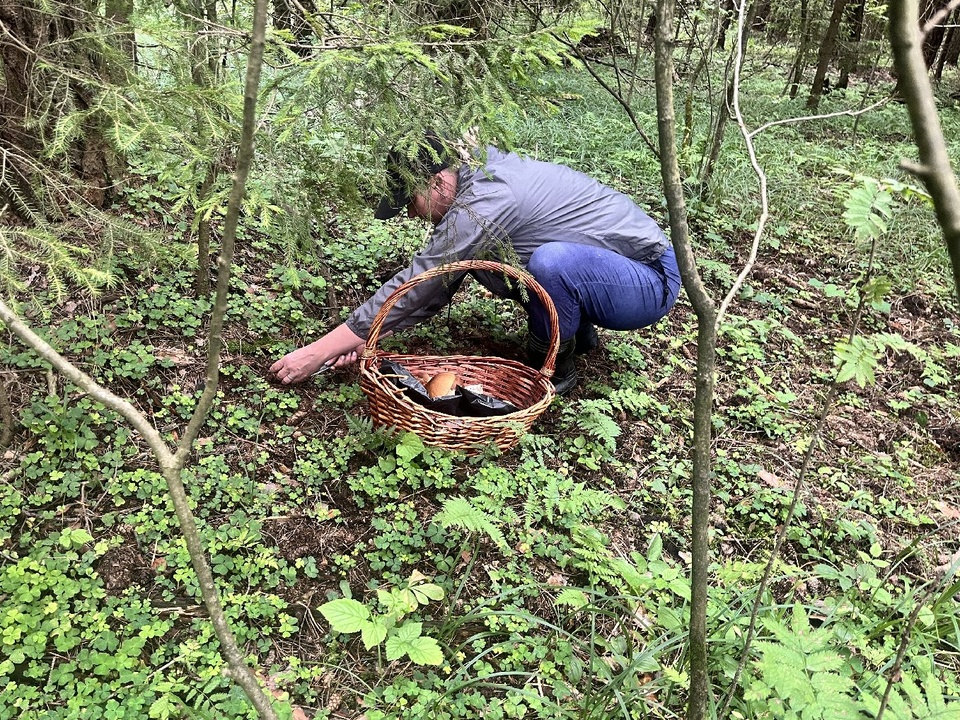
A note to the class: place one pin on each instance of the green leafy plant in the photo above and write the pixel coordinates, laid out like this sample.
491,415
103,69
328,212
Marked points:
800,673
461,513
403,638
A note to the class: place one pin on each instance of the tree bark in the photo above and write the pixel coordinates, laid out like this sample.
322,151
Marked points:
933,39
41,43
851,55
828,47
205,73
935,170
796,72
952,55
726,15
699,690
118,12
723,112
950,49
172,463
290,16
6,414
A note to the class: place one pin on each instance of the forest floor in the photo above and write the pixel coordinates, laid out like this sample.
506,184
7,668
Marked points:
882,486
564,569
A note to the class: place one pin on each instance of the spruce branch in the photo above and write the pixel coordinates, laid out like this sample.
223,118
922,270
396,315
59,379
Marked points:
171,463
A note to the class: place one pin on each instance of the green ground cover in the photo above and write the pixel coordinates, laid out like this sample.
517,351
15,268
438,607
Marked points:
549,581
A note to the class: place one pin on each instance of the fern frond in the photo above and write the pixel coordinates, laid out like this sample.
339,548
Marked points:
460,513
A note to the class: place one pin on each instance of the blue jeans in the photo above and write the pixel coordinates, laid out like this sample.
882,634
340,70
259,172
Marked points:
592,285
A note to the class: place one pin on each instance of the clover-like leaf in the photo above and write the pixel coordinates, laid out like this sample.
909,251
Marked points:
427,592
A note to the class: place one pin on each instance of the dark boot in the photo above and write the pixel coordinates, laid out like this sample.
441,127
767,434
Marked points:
565,374
587,339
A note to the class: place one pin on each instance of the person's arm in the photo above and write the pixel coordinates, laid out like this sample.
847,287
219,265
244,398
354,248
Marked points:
471,224
340,345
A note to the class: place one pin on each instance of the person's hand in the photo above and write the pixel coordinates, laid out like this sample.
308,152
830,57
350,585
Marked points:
337,348
299,365
350,357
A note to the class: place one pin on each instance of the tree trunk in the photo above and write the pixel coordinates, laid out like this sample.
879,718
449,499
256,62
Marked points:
705,309
796,72
723,113
289,16
851,54
761,15
118,12
935,171
726,15
933,39
952,55
950,49
828,47
35,99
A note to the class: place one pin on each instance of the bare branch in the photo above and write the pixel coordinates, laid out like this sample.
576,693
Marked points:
939,17
169,462
827,116
87,384
761,176
6,414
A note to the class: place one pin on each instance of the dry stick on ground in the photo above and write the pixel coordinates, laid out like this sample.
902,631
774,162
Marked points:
6,414
935,170
703,306
171,463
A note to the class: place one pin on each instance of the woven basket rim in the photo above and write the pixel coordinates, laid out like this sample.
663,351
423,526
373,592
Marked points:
444,426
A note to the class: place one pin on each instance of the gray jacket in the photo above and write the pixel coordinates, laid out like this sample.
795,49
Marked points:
504,211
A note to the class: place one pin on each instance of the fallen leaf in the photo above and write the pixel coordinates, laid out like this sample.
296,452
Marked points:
947,510
770,479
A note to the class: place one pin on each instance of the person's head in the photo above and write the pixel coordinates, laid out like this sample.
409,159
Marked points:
421,184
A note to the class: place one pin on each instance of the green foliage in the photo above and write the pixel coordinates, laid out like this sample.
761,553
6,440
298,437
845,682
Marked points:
563,561
62,262
868,209
920,695
799,673
403,638
460,513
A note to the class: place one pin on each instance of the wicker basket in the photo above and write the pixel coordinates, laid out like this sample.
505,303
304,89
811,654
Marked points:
528,389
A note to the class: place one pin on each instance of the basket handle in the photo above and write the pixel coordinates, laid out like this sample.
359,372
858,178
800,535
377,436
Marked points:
465,266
